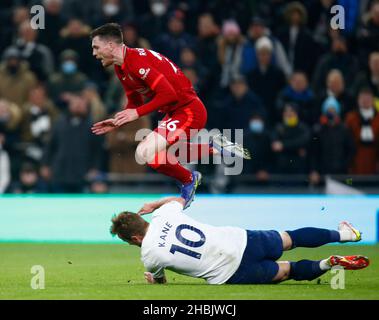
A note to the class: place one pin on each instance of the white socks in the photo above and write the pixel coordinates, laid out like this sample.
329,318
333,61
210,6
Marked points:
324,265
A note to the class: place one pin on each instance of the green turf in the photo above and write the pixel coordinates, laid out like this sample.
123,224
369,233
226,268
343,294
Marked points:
92,271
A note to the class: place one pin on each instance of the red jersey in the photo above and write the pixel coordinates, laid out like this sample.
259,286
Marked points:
150,74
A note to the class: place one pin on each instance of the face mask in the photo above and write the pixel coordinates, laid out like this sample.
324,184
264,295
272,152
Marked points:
111,9
158,9
256,126
292,121
69,67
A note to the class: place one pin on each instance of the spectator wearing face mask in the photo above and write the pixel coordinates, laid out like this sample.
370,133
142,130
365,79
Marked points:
290,143
364,125
16,78
114,11
257,140
73,153
68,79
332,145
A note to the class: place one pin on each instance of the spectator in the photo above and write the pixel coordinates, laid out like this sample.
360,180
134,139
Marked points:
68,80
258,141
132,38
96,105
297,40
73,152
16,78
29,181
5,165
290,143
335,87
266,79
114,95
55,21
10,118
258,29
230,46
332,147
38,55
172,42
75,36
206,45
38,115
368,34
299,93
206,48
189,61
364,125
241,103
114,11
339,58
369,79
153,23
121,145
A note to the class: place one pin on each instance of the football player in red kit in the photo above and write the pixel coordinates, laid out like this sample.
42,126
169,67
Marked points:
146,73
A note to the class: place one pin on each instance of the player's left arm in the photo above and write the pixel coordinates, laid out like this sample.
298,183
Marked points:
165,94
152,206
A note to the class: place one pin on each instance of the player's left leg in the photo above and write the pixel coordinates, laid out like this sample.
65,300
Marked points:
310,270
316,237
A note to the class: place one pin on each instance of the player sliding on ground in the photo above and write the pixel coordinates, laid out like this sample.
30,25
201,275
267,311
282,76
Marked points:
148,74
229,255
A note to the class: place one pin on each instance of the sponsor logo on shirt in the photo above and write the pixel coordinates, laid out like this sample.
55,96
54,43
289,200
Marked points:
144,73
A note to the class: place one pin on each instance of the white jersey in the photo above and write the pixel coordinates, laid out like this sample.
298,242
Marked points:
176,242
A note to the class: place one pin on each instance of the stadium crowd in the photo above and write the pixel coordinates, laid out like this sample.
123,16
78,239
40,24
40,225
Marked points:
306,95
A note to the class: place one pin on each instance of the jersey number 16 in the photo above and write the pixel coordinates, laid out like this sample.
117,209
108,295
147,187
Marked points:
189,243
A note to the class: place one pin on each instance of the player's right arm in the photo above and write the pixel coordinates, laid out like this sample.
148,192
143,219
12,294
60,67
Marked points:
150,279
152,206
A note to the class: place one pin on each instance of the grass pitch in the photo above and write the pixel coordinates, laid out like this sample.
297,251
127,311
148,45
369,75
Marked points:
108,271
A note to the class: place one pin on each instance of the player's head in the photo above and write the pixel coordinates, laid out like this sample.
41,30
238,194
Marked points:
129,227
105,39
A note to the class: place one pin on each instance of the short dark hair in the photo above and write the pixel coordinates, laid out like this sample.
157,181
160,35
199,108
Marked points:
108,31
128,224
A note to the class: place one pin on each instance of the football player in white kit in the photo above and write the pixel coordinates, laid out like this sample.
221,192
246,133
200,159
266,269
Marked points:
231,255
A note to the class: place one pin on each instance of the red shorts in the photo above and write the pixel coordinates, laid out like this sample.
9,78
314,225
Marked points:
183,123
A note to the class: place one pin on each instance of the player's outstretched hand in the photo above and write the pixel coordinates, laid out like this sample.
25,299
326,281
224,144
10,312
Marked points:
104,126
149,277
147,208
125,116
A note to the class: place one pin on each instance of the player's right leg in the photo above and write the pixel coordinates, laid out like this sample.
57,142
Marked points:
316,237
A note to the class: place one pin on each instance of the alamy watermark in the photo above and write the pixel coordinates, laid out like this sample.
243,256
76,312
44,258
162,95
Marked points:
338,280
337,22
38,280
193,148
37,20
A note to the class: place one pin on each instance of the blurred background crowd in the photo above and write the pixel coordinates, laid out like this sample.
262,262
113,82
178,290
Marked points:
307,96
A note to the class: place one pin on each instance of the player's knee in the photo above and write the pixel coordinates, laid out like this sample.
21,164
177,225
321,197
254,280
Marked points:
283,272
287,241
